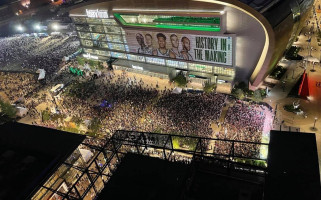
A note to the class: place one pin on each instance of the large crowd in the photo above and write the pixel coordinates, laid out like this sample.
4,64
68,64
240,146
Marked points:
130,103
15,86
24,53
137,106
243,122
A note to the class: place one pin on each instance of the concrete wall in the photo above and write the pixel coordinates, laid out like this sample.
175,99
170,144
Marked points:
250,39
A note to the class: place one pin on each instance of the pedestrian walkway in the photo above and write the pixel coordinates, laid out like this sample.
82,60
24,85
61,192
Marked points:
278,96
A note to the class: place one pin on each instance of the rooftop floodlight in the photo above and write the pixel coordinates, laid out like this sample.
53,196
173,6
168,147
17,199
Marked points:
20,28
55,27
37,27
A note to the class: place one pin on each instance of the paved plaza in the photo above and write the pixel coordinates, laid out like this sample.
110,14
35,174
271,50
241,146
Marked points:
311,107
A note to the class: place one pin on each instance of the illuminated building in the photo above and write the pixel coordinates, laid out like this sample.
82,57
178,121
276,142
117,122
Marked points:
229,41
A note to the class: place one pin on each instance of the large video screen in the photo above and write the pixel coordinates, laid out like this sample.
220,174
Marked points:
209,49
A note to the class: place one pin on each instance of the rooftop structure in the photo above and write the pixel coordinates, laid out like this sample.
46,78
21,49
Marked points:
29,154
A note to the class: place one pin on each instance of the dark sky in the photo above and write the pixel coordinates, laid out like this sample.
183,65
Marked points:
2,2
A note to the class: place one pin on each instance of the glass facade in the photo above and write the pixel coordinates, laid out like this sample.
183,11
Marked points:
104,37
157,61
170,22
136,58
176,64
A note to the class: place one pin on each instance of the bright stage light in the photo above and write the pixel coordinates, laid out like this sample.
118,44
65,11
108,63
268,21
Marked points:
37,27
20,28
55,27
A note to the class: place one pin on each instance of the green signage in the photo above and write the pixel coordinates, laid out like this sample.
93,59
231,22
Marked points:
183,23
188,19
211,49
76,71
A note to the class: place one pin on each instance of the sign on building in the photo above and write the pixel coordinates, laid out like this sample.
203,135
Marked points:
97,13
202,48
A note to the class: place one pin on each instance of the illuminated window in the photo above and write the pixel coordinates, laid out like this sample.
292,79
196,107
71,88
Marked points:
87,43
112,29
114,46
127,48
124,39
118,55
157,61
93,21
79,20
104,53
84,35
97,28
114,38
98,36
136,58
109,22
83,28
200,68
178,64
88,50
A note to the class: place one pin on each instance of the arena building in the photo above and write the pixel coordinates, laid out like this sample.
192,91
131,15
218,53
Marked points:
222,42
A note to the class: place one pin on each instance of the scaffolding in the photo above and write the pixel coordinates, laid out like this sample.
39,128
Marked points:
86,171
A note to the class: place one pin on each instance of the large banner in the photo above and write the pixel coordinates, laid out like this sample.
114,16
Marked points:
209,49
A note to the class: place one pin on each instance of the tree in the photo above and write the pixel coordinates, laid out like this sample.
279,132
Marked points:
208,88
257,95
239,93
100,65
80,60
45,115
94,125
180,80
242,85
6,109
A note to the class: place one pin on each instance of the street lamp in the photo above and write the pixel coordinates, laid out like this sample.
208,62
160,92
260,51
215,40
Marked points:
315,120
313,70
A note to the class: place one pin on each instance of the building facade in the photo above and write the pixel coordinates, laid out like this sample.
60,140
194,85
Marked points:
209,41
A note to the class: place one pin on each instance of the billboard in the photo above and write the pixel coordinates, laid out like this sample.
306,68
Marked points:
202,48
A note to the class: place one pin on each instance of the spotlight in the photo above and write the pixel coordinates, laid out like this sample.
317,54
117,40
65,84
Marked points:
37,27
20,28
55,27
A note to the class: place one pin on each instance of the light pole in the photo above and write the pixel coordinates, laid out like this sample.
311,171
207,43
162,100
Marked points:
315,120
313,70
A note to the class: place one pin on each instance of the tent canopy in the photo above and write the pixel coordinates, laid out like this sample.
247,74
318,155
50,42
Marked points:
42,74
21,111
311,59
177,90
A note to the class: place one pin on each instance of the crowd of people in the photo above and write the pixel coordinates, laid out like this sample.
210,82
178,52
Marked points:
129,102
25,53
145,108
243,122
134,105
15,86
